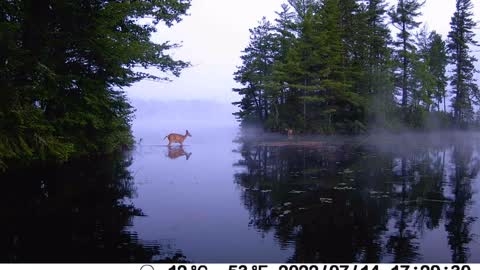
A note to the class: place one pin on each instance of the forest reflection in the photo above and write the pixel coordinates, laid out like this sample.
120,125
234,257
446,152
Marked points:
363,202
76,212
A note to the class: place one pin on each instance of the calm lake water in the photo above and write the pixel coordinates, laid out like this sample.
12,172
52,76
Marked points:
411,198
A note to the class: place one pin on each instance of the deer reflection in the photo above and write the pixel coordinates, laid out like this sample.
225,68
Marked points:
176,152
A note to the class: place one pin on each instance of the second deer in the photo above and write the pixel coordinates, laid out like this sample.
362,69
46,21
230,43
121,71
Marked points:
289,133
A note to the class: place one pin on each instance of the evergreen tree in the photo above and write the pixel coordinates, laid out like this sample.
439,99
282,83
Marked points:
403,18
327,67
336,72
299,63
256,74
461,38
377,79
285,35
438,65
354,29
423,84
63,65
429,79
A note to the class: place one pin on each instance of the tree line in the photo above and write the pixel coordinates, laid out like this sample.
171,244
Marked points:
344,66
63,67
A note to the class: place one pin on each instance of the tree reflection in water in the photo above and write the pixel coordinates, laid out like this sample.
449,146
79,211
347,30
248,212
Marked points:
77,212
348,202
458,225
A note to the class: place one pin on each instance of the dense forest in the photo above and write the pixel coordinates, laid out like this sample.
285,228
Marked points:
346,66
63,65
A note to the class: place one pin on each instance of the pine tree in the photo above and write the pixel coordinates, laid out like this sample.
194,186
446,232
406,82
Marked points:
63,65
438,66
404,19
285,30
299,63
317,64
460,39
331,68
337,70
283,116
377,79
423,83
256,74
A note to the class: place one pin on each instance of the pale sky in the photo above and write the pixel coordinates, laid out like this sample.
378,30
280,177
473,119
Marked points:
216,32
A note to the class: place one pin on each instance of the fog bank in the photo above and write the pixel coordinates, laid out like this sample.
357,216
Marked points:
205,120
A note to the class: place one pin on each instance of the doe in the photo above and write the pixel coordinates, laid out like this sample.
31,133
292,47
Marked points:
177,138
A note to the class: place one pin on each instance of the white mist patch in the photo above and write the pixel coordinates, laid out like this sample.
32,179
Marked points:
207,121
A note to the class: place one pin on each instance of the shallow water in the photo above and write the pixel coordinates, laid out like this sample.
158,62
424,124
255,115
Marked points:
409,198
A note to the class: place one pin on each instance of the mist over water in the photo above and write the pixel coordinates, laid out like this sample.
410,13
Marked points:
253,197
231,194
207,121
258,197
389,198
193,204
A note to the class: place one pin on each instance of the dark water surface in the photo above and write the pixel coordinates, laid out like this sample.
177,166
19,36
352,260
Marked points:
411,198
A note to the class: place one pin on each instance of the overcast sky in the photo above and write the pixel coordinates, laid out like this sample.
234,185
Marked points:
216,32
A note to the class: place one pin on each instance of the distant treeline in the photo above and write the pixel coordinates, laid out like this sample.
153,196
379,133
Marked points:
336,66
62,68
